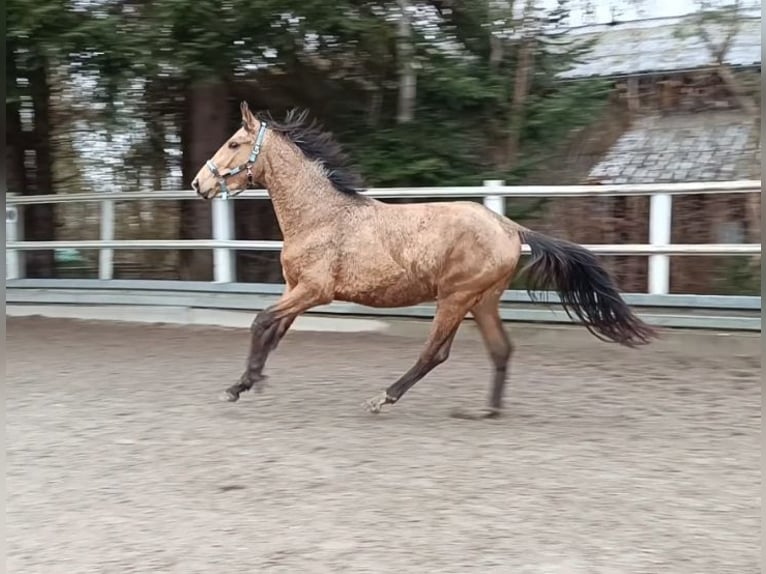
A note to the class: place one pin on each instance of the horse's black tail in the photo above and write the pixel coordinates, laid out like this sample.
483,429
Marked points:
584,287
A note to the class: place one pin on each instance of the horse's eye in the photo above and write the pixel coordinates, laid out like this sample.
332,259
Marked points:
233,145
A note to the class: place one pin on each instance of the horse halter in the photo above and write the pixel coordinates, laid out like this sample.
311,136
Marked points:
247,166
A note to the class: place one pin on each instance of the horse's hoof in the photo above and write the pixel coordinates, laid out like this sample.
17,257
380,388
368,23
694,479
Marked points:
371,406
488,413
229,396
376,403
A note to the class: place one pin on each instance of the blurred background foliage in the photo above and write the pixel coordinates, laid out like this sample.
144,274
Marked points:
137,94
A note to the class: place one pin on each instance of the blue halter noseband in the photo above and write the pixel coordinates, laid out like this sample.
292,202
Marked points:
247,166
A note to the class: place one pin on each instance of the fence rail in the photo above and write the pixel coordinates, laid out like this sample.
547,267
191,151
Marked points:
267,245
493,193
490,187
741,313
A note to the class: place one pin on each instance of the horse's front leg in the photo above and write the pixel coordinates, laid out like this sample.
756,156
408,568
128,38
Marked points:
267,330
265,335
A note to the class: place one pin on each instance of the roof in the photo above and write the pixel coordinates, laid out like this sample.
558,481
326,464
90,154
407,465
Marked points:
703,146
652,46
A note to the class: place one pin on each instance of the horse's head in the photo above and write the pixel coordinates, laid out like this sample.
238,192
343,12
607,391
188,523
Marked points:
234,167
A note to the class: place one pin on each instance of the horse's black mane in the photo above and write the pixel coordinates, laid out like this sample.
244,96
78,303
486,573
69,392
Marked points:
317,145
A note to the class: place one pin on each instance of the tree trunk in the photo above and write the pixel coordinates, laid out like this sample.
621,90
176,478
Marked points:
497,127
753,205
39,220
407,76
495,51
14,137
496,43
161,213
14,155
522,82
744,100
374,107
521,85
204,131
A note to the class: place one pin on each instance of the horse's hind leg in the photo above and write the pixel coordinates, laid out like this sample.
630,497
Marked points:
449,314
500,348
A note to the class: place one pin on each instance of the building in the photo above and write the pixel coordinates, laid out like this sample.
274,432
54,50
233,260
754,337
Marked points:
688,118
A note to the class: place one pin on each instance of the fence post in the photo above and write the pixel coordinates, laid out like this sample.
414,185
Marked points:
106,255
223,230
660,223
13,232
494,202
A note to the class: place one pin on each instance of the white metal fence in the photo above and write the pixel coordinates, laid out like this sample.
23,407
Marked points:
494,194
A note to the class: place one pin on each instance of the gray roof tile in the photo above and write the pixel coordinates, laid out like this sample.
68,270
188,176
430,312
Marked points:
653,46
703,146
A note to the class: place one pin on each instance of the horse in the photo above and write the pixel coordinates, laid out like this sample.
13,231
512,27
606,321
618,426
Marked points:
342,245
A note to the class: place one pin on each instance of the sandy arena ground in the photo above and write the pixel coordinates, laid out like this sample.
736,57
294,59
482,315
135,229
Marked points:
122,459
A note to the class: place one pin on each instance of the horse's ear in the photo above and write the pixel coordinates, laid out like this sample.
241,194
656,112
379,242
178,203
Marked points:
248,120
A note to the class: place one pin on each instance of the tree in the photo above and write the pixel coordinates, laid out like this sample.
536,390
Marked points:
717,25
162,78
406,60
37,37
521,82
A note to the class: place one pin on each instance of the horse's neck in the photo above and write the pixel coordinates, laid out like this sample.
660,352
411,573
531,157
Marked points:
302,196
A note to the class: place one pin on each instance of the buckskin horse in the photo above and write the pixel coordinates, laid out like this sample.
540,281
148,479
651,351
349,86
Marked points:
341,245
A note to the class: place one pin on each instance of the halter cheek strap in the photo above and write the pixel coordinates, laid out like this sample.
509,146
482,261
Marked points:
247,166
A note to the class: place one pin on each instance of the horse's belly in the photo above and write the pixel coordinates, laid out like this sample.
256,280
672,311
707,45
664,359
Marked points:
393,290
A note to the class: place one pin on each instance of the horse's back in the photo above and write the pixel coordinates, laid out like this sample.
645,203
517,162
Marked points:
424,247
393,255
